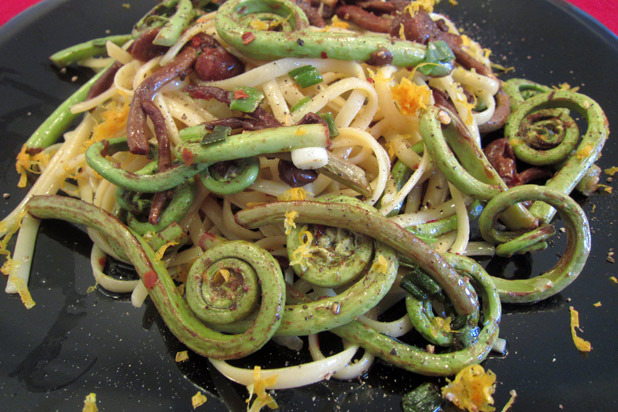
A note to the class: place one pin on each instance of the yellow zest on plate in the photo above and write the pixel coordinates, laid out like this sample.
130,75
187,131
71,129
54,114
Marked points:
258,388
472,389
90,403
581,344
611,171
182,356
198,400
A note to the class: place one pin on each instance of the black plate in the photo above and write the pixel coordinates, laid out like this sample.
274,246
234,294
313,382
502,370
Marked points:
73,343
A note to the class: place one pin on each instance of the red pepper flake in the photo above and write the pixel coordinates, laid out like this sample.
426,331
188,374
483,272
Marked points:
247,37
324,55
102,261
240,94
105,146
150,279
371,81
432,220
187,156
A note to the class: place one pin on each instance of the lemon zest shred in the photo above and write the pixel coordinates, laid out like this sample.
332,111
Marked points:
302,254
472,389
613,279
222,273
22,289
611,171
605,188
581,344
597,304
380,265
293,194
198,400
289,223
336,22
181,356
410,97
161,251
33,163
90,403
584,152
258,388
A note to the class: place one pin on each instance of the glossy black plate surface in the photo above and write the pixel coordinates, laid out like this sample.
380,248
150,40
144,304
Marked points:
73,343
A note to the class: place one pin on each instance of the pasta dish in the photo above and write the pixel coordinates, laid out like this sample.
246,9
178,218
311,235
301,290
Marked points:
274,170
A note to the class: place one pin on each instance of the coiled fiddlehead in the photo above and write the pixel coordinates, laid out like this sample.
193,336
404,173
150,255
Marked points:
174,310
570,264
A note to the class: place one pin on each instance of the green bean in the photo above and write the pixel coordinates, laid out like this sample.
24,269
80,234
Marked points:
198,158
180,204
588,151
172,29
420,361
55,125
295,39
468,168
174,310
570,264
255,143
380,228
240,174
87,49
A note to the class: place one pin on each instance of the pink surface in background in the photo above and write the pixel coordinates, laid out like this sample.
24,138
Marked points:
605,11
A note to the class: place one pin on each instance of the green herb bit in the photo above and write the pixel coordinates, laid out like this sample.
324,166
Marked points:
246,99
300,103
306,76
193,133
425,398
330,123
439,56
218,134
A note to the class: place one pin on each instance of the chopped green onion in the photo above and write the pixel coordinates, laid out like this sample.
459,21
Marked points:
409,286
300,103
330,122
246,99
424,398
193,133
306,76
440,58
218,134
421,280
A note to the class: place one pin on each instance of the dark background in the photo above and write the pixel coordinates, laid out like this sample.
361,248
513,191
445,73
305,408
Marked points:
73,343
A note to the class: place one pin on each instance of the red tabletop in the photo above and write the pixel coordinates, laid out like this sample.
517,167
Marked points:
605,11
